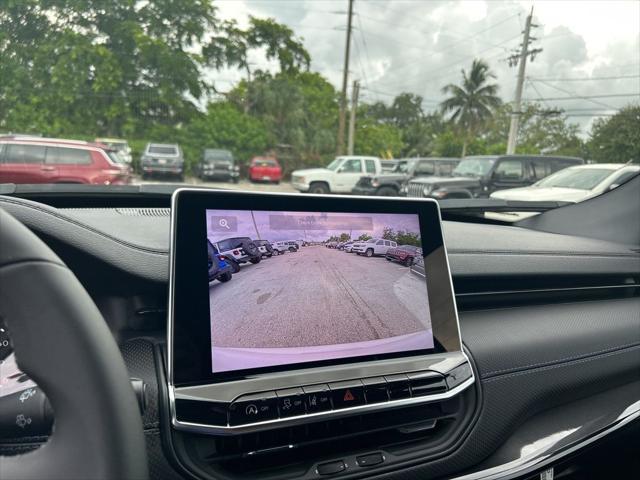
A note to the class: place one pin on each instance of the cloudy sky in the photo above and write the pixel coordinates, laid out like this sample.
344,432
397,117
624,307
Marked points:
590,48
312,226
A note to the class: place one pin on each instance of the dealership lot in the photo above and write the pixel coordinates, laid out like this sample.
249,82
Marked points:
242,185
317,296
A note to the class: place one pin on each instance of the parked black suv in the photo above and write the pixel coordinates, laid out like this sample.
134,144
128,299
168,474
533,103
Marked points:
390,184
480,176
219,165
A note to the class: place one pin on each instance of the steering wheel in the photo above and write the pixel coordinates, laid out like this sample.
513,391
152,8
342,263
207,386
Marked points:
63,343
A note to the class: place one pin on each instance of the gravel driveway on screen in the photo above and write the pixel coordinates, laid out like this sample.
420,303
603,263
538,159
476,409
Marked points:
317,296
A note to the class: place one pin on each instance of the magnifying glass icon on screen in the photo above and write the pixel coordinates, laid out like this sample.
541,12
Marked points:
223,223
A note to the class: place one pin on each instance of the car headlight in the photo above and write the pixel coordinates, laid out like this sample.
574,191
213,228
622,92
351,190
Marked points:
439,194
375,182
426,190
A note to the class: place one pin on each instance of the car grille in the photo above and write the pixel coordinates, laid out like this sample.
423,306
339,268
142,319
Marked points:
415,190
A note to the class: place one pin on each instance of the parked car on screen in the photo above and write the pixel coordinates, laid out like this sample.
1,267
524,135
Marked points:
476,177
293,246
162,159
219,268
331,244
217,164
265,247
574,184
279,248
404,254
54,160
373,246
265,169
348,247
237,250
389,184
119,145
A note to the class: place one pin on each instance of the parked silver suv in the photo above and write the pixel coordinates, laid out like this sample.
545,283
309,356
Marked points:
163,159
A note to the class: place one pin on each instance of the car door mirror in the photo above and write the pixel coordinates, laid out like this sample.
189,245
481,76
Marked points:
340,170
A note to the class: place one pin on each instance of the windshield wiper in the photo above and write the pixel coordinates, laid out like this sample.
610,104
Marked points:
482,205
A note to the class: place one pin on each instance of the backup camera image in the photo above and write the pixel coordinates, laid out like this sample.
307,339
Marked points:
293,287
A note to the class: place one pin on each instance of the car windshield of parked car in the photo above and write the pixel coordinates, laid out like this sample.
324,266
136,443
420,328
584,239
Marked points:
162,150
333,166
303,97
474,167
578,178
116,157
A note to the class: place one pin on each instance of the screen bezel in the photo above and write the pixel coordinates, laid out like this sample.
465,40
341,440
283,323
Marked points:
189,339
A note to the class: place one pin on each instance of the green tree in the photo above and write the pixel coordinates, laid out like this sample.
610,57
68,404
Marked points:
223,126
617,138
389,233
542,130
472,103
405,237
377,139
344,237
364,237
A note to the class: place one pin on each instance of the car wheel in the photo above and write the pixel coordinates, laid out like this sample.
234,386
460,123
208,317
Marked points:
235,180
291,249
235,266
144,176
369,252
388,259
408,261
319,188
225,277
255,260
387,192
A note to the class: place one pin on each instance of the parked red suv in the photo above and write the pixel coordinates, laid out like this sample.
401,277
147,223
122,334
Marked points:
53,160
265,169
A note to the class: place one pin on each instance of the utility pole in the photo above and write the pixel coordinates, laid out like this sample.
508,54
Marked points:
345,78
352,118
520,60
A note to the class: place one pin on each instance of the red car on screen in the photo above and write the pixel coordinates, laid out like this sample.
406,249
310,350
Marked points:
265,169
53,160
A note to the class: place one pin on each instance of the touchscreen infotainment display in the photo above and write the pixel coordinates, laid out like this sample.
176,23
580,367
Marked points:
294,287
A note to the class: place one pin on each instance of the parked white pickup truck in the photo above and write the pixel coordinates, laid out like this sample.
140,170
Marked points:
340,176
373,246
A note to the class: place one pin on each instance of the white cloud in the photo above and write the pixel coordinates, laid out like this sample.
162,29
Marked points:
418,46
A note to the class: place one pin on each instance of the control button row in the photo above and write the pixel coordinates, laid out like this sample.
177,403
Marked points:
298,401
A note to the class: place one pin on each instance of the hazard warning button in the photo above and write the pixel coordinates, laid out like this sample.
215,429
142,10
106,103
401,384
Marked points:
347,394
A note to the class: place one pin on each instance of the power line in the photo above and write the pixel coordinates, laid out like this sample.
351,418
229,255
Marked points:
571,92
582,79
613,95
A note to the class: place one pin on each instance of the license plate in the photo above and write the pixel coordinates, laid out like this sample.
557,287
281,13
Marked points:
162,161
266,178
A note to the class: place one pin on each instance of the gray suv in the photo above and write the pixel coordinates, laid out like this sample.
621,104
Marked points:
481,175
162,159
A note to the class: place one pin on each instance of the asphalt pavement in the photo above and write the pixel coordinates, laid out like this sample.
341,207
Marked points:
246,185
317,296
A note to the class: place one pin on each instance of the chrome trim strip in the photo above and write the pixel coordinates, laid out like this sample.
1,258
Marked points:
546,290
302,419
391,404
546,457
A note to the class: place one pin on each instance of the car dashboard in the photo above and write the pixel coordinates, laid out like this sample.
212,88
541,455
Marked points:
549,322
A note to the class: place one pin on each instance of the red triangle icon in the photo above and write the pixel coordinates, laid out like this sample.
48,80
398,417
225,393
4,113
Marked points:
348,396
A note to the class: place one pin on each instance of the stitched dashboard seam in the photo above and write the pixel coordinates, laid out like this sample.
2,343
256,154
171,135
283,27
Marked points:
132,246
560,360
563,364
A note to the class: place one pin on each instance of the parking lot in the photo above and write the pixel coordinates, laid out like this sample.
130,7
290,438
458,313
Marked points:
241,185
317,296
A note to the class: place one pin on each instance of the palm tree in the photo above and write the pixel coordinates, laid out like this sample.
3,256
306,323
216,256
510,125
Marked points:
473,102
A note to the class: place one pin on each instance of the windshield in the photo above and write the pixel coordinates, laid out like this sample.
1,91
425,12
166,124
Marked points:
402,167
162,150
475,167
579,178
116,157
334,165
210,92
